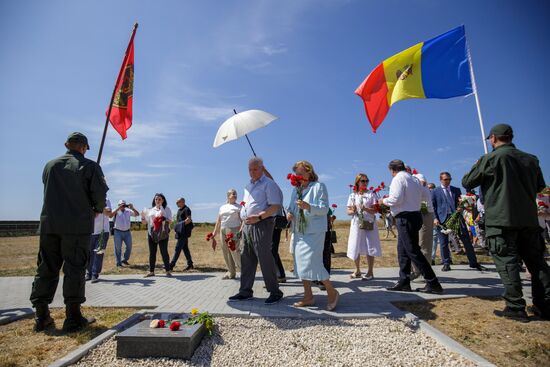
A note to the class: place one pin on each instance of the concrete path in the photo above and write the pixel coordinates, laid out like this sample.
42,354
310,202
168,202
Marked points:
208,292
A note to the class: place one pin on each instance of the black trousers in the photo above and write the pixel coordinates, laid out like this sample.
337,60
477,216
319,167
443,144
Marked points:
182,245
69,251
275,251
408,250
327,250
163,245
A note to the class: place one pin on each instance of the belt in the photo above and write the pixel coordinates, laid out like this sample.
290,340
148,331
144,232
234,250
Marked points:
404,214
120,230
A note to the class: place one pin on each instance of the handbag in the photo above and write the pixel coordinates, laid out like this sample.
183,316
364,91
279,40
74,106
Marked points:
333,237
280,221
162,234
369,226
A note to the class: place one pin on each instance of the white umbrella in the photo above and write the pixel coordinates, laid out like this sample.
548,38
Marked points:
241,124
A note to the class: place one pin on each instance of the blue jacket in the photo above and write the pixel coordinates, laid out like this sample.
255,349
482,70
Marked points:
440,204
316,196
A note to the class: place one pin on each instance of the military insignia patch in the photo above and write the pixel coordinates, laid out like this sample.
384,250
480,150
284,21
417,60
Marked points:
126,89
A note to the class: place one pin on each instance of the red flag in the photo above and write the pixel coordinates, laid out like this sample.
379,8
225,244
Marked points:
120,110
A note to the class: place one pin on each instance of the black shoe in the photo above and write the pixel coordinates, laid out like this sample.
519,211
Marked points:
446,267
188,267
74,321
125,263
400,287
94,280
432,287
281,280
239,297
43,320
538,312
273,298
479,267
517,315
433,262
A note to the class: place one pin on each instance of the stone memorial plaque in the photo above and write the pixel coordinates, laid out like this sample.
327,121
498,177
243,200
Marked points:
142,341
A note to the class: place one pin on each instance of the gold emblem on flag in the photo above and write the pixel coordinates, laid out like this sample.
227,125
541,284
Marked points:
126,89
402,75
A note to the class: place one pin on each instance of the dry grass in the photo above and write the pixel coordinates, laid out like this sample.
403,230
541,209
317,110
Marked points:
20,346
18,254
471,322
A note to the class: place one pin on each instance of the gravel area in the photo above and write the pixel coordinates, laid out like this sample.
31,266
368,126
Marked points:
283,342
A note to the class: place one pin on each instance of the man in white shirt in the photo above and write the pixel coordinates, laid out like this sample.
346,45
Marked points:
404,201
98,243
123,214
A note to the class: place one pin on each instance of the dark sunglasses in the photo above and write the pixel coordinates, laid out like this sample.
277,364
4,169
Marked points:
363,180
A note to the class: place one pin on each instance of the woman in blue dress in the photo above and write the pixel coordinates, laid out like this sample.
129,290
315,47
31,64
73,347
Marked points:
309,228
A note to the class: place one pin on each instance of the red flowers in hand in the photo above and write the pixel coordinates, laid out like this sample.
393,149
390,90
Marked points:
209,236
542,204
157,222
230,242
334,206
175,326
296,180
243,203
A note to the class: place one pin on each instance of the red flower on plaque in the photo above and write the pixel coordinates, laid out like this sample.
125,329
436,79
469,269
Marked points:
161,324
175,326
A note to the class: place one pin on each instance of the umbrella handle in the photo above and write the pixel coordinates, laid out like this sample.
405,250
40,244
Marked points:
248,140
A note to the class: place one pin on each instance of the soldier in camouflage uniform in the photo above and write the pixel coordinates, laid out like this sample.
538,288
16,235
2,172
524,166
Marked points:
74,193
509,180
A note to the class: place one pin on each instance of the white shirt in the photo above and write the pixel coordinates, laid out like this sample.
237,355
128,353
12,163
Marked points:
229,215
122,219
101,222
405,194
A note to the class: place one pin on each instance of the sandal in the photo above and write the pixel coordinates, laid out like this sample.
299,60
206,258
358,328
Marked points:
150,274
303,303
368,277
355,275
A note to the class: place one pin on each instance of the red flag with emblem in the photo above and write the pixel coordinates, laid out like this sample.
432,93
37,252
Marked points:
120,111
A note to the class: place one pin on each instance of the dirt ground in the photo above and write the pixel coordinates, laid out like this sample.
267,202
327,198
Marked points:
18,255
471,322
20,346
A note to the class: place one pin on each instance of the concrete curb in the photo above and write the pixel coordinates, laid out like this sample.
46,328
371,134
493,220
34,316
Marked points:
81,351
448,342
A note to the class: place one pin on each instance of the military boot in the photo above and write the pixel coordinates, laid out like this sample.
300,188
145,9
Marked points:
42,319
74,321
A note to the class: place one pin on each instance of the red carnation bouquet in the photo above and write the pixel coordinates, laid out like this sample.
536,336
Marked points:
382,208
297,181
157,223
209,236
230,242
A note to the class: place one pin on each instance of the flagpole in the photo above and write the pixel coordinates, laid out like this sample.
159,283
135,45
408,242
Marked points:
474,85
114,93
248,140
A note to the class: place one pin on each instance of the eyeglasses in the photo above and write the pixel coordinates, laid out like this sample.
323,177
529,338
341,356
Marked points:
445,179
363,180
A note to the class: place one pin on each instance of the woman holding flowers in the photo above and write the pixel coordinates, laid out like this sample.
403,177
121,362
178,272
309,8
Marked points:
158,219
229,221
307,211
363,233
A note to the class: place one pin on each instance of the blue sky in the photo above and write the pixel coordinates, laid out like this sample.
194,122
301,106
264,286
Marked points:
300,60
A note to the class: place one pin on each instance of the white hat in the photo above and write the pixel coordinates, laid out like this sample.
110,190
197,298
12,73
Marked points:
420,176
121,202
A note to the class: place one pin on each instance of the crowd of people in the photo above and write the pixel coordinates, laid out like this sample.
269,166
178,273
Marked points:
76,215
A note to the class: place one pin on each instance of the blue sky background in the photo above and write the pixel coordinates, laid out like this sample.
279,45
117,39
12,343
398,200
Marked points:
300,60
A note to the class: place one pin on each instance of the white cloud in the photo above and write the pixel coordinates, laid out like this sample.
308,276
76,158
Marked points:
443,149
325,177
273,50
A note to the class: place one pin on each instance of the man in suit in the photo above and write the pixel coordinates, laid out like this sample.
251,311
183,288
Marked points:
445,200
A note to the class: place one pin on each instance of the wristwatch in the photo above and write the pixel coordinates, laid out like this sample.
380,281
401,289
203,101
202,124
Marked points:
260,217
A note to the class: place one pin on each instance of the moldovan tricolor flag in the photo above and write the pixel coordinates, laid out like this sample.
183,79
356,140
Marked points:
121,108
438,68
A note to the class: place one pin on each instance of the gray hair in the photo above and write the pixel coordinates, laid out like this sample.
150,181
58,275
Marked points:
229,192
256,161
